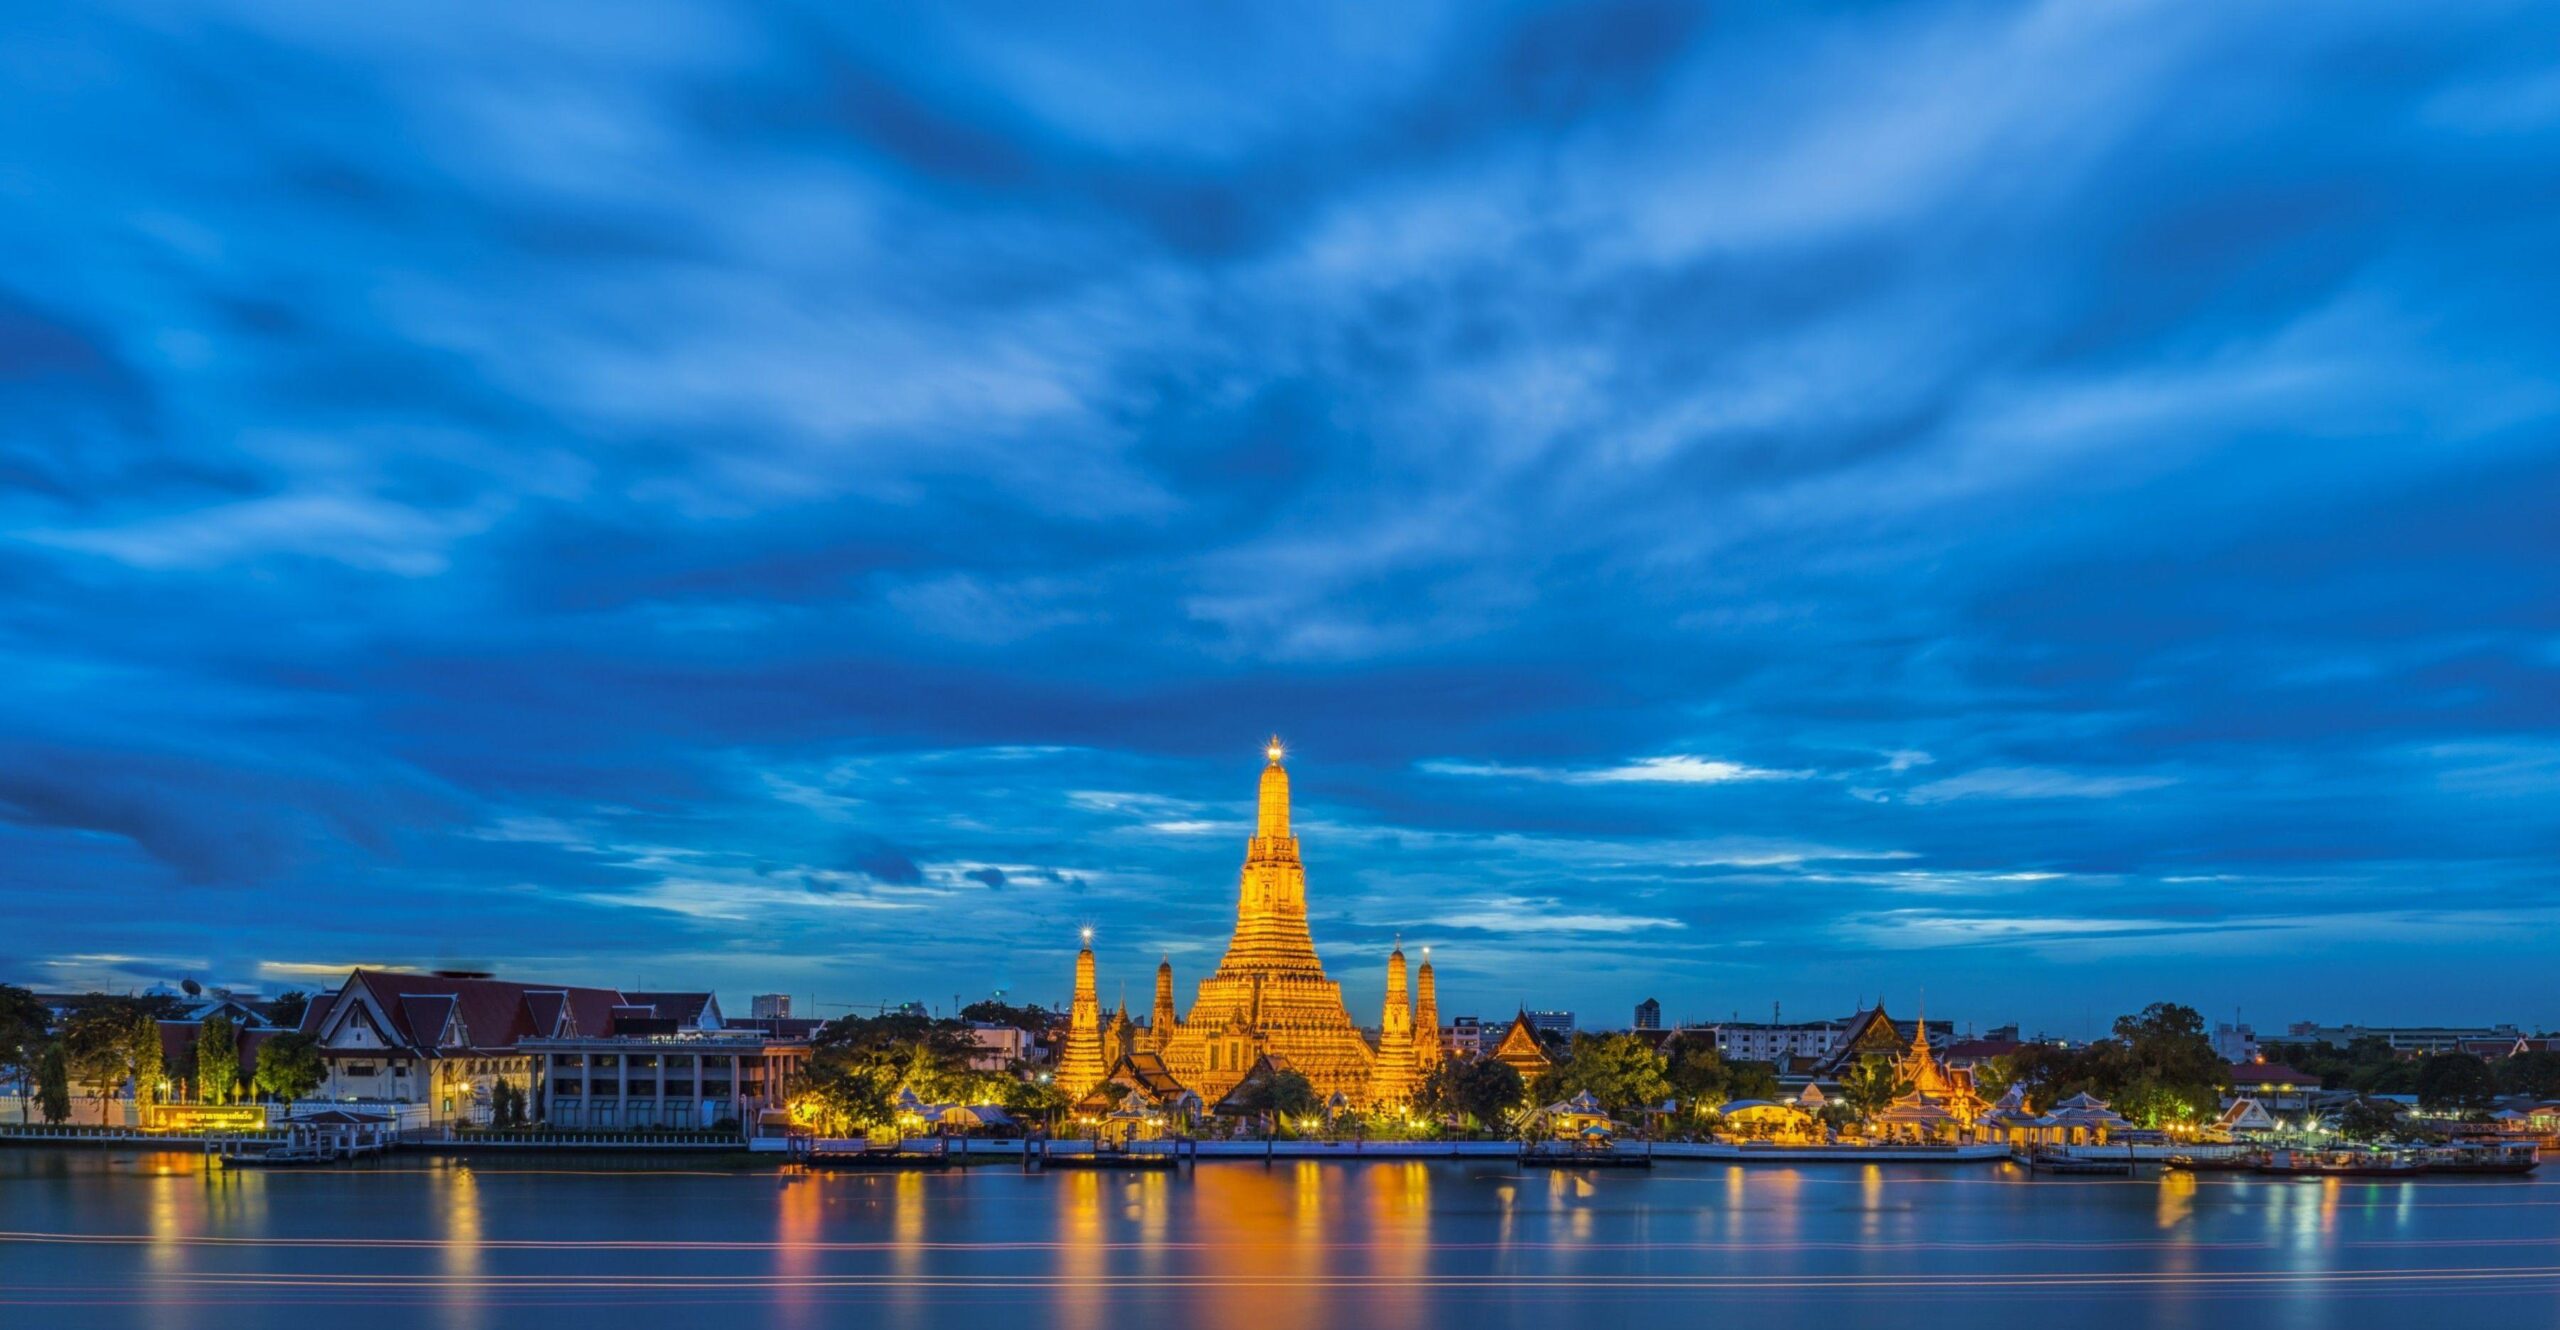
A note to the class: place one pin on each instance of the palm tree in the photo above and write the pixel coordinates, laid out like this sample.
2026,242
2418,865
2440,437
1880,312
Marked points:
1871,1084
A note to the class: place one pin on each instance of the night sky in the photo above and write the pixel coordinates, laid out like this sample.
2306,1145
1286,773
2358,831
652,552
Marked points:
2058,506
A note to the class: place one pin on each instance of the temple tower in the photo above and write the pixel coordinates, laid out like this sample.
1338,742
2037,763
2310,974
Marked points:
1080,1063
1392,1081
1162,1023
1269,992
1426,1018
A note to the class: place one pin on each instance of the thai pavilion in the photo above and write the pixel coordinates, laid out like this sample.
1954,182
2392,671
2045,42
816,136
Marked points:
1940,1105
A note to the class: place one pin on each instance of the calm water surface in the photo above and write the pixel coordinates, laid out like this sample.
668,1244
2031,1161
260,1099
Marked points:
118,1240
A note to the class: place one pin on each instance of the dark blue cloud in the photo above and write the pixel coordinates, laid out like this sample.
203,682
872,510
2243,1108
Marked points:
1748,505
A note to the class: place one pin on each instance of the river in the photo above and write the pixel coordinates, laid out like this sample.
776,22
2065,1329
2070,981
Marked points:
103,1239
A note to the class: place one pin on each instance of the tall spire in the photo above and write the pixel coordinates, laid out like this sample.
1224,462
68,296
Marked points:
1162,1022
1426,1016
1080,1062
1272,819
1391,1081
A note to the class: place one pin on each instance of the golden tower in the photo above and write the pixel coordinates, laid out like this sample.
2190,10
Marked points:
1269,993
1391,1081
1162,1022
1080,1063
1426,1018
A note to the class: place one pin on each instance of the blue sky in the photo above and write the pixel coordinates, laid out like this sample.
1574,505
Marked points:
2050,504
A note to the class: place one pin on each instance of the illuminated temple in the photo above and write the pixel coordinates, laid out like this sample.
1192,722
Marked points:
1268,998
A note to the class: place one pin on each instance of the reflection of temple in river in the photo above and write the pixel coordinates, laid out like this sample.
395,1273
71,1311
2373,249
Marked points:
1267,1007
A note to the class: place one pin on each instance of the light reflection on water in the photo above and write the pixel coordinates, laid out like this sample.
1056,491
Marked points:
99,1239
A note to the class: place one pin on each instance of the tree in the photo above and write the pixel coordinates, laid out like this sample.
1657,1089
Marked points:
2369,1120
289,1066
2454,1081
218,1059
1622,1071
2535,1073
1871,1083
2159,1067
23,1023
837,1097
1697,1073
1479,1091
1035,1101
1283,1096
53,1083
285,1013
112,1042
1032,1017
1751,1080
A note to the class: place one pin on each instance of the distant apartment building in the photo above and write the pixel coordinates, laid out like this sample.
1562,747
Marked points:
2235,1043
770,1006
1772,1041
996,1047
2404,1038
1466,1036
1649,1014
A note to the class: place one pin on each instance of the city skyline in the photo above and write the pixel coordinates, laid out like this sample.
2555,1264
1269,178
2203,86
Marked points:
1727,513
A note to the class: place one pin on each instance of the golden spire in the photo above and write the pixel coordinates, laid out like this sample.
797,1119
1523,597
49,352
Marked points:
1080,1063
1272,821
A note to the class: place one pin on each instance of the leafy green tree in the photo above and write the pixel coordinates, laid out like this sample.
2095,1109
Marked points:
1032,1017
1031,1101
1697,1074
1622,1071
53,1083
218,1059
1870,1084
1284,1097
2159,1067
2369,1120
2455,1081
907,1051
1480,1092
289,1066
23,1025
838,1096
1751,1080
112,1042
1991,1078
2535,1073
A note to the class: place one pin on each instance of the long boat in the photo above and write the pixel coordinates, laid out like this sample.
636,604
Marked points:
2237,1163
2497,1159
2293,1163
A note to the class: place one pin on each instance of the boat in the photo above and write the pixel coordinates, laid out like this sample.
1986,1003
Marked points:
1126,1160
2501,1159
283,1156
2233,1163
2071,1166
1582,1154
2293,1163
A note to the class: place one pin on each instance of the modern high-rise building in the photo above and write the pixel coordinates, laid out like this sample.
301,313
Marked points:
1649,1014
770,1006
1551,1022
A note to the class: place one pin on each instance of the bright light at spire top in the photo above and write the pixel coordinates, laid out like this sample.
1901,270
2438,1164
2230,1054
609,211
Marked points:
1273,750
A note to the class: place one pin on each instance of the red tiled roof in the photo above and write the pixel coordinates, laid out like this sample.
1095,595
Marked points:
495,1012
544,1005
683,1007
